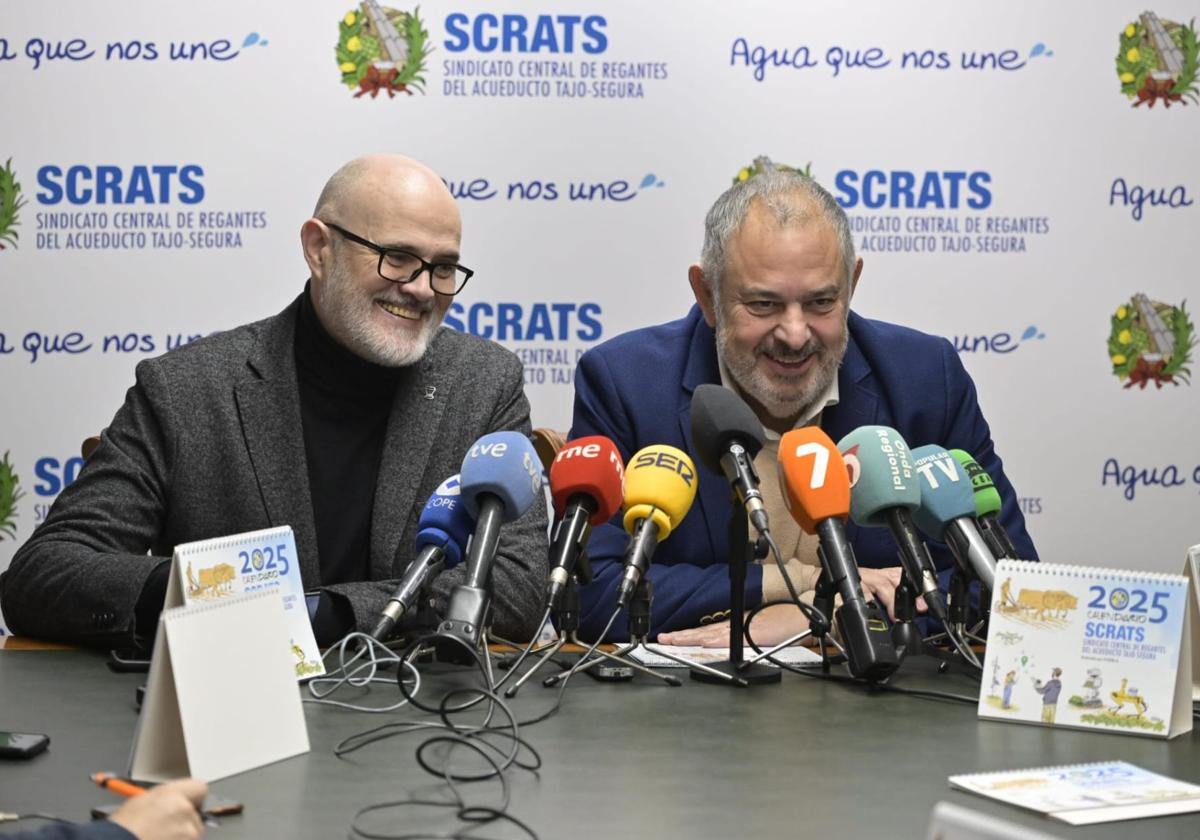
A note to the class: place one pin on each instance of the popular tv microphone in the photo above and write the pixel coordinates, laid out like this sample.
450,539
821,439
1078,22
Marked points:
444,528
727,437
884,493
586,482
816,489
987,506
660,485
500,480
947,511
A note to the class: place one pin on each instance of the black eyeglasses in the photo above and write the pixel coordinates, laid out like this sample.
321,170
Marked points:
399,266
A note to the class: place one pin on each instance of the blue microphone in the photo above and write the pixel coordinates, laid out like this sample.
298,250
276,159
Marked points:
445,526
501,479
947,511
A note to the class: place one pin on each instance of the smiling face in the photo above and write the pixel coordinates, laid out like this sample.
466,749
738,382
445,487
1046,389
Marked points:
396,203
780,315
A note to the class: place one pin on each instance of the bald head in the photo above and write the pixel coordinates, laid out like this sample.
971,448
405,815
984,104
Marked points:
383,180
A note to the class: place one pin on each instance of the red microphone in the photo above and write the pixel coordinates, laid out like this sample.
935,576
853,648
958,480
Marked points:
587,483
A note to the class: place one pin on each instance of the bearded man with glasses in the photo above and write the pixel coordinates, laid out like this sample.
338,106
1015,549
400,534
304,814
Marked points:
339,417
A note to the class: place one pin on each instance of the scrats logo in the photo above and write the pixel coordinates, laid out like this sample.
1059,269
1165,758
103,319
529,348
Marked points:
514,33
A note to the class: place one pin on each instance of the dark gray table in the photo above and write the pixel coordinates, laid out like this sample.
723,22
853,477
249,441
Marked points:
799,759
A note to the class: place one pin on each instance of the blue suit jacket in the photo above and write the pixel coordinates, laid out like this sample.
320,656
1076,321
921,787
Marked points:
637,389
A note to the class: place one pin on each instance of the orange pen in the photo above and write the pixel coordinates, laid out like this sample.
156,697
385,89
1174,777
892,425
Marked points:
119,786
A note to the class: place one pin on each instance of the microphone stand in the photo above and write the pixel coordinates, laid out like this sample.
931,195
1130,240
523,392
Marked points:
741,552
639,631
959,608
567,622
823,600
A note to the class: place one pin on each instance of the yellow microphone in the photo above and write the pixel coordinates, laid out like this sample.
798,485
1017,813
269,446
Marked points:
660,485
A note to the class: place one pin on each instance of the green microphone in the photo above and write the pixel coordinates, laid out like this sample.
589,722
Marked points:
987,506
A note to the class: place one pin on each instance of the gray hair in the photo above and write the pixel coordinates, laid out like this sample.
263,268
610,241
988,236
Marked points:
790,195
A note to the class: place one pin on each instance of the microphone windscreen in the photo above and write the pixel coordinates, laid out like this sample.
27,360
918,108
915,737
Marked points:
813,477
505,465
445,522
946,493
881,474
591,466
987,497
720,417
660,484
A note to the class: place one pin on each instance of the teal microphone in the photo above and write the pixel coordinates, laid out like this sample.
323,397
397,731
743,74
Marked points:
947,511
884,491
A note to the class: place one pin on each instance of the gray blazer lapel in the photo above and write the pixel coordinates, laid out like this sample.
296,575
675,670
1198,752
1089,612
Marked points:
268,401
415,422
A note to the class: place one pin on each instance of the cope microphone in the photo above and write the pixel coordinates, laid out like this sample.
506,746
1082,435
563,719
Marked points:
885,490
947,511
660,485
586,483
500,480
727,437
987,506
816,489
443,529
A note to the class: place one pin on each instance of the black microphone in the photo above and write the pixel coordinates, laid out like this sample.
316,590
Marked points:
727,437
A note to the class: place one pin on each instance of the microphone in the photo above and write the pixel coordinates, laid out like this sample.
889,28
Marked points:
885,491
947,511
444,528
500,480
816,489
660,485
586,483
987,506
727,437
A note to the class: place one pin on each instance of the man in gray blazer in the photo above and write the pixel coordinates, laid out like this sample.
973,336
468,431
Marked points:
339,417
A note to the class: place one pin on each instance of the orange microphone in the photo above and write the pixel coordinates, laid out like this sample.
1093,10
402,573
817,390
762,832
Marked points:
816,489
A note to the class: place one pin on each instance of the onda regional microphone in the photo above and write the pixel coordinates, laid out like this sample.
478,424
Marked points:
816,489
443,529
885,490
660,485
586,484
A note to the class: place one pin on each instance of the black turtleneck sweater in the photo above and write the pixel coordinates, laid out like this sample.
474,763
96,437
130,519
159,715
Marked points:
345,402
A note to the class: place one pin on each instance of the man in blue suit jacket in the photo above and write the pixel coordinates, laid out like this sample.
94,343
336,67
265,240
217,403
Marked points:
772,322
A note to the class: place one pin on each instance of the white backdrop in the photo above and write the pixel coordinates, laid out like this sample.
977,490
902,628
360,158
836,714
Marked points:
242,113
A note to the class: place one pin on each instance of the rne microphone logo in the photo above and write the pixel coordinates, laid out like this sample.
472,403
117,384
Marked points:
382,50
1151,342
1157,61
10,494
11,203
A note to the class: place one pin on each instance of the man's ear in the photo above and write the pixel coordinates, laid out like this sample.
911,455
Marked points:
703,294
858,264
317,246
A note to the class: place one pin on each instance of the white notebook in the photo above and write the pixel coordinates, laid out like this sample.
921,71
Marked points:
1089,648
1082,794
221,697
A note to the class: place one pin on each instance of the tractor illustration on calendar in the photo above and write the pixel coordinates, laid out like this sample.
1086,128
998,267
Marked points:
1129,710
